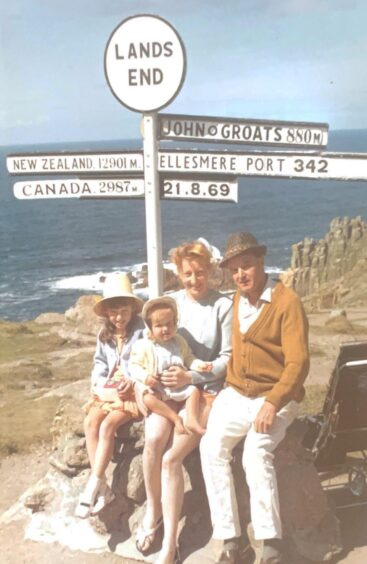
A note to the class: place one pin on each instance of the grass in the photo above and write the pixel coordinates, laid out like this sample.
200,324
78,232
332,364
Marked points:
314,400
33,361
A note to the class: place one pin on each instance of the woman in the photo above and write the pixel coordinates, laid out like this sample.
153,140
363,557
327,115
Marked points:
205,320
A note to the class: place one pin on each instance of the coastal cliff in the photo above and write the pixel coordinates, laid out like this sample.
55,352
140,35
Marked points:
332,271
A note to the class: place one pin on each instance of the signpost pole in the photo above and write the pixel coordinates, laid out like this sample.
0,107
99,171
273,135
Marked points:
152,206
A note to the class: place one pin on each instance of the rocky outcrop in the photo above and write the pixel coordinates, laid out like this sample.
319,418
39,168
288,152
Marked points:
310,528
325,272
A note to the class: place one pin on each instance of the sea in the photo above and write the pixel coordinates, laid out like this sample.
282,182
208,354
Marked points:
53,251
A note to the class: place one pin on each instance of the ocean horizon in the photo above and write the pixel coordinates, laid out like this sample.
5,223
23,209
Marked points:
53,251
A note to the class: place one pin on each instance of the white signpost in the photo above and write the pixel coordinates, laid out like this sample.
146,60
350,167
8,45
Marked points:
145,63
80,188
194,189
335,166
145,66
245,131
64,163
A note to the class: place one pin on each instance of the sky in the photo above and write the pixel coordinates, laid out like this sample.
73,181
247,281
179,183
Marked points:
298,60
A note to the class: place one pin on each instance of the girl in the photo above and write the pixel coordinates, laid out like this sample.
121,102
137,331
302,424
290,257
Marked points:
113,401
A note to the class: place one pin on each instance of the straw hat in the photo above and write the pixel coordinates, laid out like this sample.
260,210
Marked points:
116,286
239,243
163,301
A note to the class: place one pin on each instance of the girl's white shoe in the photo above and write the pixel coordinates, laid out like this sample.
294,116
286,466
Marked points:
104,497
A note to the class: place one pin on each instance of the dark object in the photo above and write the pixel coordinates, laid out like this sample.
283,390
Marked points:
341,428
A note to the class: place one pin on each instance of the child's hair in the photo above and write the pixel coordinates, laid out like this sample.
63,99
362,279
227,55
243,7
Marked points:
164,302
156,307
194,250
107,333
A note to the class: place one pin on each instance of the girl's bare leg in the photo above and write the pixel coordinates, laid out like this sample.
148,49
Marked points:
160,407
173,486
106,442
92,423
99,452
192,412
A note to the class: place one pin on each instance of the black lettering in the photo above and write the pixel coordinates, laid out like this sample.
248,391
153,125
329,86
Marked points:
246,133
157,76
132,77
24,190
277,134
267,129
200,129
257,134
157,49
50,189
74,187
117,54
132,52
144,50
168,51
236,132
86,189
317,137
165,127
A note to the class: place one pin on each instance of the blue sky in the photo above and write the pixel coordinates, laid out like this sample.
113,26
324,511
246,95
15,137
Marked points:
302,60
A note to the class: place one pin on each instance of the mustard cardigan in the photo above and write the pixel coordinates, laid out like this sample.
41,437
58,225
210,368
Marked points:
271,359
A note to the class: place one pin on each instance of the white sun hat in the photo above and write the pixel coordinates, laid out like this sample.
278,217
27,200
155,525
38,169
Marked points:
116,285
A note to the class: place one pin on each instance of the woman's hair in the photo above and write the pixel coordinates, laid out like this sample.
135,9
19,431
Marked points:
191,251
107,333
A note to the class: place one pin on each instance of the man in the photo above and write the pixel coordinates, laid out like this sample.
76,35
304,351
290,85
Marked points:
264,385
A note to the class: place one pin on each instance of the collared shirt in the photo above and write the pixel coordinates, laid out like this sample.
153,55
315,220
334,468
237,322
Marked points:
248,313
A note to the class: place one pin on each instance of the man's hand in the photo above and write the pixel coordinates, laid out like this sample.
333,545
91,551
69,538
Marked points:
175,377
265,418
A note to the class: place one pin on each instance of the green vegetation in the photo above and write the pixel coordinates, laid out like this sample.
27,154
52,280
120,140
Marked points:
34,360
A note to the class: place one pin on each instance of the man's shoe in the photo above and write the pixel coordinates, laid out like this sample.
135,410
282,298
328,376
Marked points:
229,552
272,552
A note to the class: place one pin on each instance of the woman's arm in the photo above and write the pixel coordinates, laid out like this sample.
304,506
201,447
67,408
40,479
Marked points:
224,328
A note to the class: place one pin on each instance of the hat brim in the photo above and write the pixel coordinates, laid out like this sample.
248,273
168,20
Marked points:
163,301
101,306
256,249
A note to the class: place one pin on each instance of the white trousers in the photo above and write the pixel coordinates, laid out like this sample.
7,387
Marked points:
231,418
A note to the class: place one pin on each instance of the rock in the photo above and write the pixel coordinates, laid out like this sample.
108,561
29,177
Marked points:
324,271
318,544
309,526
335,313
339,324
51,318
75,454
39,496
82,318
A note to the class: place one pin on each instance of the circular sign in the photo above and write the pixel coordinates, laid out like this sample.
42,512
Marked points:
145,63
